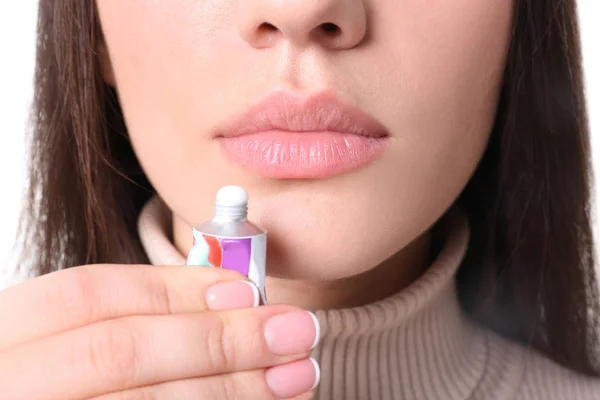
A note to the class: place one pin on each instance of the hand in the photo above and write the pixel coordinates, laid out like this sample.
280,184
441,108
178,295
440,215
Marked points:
141,332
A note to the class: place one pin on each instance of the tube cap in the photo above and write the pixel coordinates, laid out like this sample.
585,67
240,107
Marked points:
232,203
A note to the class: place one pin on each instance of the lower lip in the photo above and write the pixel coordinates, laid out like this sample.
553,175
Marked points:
303,155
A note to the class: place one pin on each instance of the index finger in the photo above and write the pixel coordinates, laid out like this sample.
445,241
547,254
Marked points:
77,297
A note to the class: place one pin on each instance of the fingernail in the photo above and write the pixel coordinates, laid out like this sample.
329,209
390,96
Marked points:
232,295
293,379
292,333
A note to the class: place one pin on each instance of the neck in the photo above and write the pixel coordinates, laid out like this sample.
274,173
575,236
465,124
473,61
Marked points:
388,278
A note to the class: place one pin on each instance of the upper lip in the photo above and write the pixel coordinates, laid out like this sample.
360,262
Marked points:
283,111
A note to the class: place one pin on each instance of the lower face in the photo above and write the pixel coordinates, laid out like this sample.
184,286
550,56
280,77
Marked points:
428,72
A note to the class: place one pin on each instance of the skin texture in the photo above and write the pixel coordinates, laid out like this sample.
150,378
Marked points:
429,72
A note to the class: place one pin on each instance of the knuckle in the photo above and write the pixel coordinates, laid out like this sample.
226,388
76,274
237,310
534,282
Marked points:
254,335
73,296
231,388
165,296
220,351
114,356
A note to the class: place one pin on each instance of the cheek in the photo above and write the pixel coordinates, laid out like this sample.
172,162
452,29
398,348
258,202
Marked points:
448,64
170,66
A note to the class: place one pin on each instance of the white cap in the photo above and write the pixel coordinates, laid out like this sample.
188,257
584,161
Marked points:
232,203
232,196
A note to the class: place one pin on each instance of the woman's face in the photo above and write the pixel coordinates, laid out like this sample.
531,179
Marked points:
338,191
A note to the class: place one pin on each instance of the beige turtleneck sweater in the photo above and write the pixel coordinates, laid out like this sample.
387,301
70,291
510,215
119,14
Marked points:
417,344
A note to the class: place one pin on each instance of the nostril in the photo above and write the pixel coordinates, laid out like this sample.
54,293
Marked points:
330,29
267,27
328,34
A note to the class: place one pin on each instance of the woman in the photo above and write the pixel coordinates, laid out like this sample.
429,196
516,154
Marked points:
422,170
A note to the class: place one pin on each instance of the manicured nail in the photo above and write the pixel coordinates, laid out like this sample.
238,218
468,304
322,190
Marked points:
293,379
232,295
292,333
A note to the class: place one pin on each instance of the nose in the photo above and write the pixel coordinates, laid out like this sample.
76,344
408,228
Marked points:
333,24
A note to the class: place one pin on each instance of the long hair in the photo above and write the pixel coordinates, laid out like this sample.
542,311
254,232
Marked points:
530,260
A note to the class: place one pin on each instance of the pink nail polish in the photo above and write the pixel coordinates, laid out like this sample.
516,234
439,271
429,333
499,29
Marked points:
292,333
232,295
293,379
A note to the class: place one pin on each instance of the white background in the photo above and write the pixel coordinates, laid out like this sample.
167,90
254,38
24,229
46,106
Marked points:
17,46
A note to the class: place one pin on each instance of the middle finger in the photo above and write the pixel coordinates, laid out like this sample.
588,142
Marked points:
144,350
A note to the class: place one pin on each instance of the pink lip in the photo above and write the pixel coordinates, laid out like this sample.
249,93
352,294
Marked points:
286,137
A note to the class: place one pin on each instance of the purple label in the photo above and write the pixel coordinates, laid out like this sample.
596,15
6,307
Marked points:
236,254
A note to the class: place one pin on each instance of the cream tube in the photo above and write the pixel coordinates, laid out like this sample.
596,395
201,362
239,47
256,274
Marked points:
230,241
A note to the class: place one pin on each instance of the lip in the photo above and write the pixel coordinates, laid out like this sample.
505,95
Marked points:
292,137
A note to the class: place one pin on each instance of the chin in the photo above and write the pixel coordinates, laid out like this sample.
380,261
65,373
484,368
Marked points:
334,256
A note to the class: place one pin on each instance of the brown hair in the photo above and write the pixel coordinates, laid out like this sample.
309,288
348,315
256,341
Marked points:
528,203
